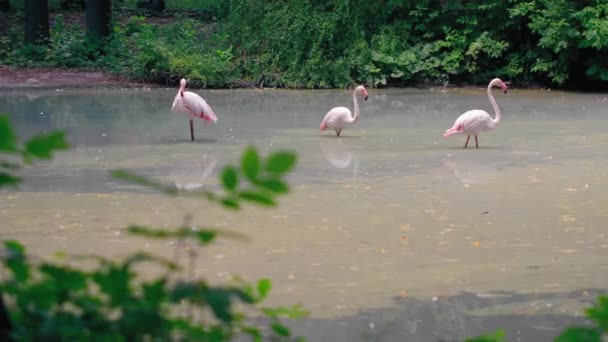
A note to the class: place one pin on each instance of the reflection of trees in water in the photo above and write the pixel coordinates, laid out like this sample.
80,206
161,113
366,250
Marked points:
528,317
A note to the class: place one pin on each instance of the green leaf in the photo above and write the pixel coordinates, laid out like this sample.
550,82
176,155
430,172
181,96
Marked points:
599,312
219,301
280,329
16,260
155,292
293,312
64,277
230,202
498,336
14,247
8,140
143,257
9,166
143,181
60,255
250,164
578,334
114,280
254,332
274,185
43,145
257,197
150,232
8,180
281,162
264,286
205,236
230,178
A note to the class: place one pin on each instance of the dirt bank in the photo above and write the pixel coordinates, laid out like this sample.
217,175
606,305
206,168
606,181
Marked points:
43,78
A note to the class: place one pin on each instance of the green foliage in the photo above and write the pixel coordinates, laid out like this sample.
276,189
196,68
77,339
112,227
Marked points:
257,184
108,300
598,314
39,147
43,145
180,49
597,332
335,43
579,335
498,336
570,36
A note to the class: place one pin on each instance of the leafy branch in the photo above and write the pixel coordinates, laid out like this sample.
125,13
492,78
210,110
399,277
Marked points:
39,147
109,300
255,180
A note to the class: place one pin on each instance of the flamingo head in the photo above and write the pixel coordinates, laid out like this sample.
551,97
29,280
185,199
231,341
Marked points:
182,86
363,91
500,83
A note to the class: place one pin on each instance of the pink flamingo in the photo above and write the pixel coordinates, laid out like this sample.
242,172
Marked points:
338,117
474,121
193,105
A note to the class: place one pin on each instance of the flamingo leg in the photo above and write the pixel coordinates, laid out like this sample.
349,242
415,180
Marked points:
476,144
191,130
465,144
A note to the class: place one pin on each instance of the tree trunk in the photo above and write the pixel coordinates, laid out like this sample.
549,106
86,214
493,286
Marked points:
152,5
99,13
72,5
5,5
36,21
5,323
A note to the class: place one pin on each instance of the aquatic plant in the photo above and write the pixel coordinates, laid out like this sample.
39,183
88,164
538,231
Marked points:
106,299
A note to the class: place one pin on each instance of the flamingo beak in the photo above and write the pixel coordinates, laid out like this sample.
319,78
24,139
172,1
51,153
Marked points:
505,90
365,98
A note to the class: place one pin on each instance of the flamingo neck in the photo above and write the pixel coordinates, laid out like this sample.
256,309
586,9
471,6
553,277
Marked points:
356,106
497,115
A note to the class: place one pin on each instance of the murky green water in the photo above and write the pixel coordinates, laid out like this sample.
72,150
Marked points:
391,232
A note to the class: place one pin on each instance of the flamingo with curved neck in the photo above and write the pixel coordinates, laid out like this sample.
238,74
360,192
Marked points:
339,117
195,106
475,121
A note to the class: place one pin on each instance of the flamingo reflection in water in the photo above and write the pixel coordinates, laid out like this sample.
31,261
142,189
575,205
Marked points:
339,155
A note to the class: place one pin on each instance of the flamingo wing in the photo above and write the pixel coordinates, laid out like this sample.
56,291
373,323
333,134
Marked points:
336,118
477,121
470,122
194,105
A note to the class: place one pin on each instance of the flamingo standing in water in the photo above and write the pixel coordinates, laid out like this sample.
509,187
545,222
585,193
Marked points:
193,105
338,117
474,121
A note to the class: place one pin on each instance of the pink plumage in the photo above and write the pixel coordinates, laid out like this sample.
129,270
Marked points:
339,117
475,121
195,106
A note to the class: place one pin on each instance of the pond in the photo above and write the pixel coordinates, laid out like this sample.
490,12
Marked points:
390,233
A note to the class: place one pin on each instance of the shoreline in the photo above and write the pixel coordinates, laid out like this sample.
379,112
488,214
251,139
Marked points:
18,78
12,78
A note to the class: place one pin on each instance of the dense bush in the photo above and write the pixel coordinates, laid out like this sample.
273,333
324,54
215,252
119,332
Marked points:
136,49
335,43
